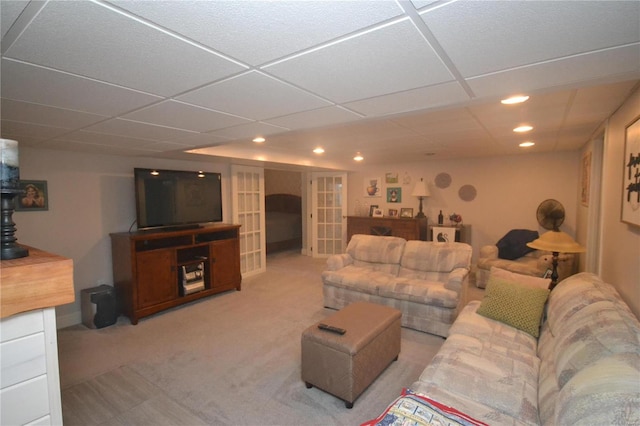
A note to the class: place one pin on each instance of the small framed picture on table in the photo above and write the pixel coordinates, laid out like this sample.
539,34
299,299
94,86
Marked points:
377,212
406,212
393,212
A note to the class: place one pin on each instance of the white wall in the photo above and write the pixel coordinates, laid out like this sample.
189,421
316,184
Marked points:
620,261
509,190
90,196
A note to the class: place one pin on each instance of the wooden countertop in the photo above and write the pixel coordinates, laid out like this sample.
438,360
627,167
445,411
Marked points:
38,281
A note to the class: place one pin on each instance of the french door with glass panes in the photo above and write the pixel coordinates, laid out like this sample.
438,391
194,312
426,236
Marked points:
247,193
329,219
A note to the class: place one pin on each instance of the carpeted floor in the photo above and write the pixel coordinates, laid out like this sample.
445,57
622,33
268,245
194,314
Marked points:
232,359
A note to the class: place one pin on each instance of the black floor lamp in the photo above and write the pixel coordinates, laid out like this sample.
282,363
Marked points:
556,242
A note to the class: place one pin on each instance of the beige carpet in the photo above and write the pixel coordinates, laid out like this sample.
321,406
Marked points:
232,359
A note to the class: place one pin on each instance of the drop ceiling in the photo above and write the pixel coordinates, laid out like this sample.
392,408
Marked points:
395,81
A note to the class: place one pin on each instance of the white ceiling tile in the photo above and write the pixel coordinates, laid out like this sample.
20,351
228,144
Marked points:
45,115
621,63
9,12
316,118
250,130
411,100
483,37
199,139
21,129
254,31
251,95
389,59
38,85
183,116
108,46
136,129
67,145
104,139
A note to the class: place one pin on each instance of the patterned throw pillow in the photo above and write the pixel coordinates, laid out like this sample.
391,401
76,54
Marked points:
520,306
416,409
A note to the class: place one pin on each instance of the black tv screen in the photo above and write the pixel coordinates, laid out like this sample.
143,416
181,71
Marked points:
172,198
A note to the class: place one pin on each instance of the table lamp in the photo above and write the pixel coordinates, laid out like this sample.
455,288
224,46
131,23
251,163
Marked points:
421,190
556,242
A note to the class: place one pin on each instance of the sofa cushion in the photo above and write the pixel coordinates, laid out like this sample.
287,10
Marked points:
362,279
430,256
376,249
514,244
490,375
420,291
518,305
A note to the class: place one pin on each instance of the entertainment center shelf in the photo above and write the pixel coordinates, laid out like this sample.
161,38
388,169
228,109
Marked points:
149,267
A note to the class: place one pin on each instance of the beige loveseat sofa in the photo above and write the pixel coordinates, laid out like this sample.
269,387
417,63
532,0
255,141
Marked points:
422,279
584,369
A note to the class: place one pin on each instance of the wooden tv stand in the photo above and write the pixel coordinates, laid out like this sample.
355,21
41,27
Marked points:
147,266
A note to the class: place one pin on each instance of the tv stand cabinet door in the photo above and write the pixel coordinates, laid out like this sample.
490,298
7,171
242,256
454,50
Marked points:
157,277
225,265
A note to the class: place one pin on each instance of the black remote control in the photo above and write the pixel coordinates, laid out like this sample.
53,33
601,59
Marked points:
331,328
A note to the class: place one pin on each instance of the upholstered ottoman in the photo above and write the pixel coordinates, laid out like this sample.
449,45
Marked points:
344,365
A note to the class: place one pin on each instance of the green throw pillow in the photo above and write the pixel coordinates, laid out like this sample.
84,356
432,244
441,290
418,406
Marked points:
520,306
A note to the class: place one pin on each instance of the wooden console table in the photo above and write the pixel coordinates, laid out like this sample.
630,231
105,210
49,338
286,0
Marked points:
407,228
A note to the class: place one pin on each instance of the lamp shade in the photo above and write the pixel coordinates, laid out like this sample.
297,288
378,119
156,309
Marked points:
556,241
421,189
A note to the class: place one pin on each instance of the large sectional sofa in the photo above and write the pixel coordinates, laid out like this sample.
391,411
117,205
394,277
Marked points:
584,369
422,279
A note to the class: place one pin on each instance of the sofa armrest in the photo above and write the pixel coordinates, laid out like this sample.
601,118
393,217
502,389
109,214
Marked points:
489,252
338,261
455,279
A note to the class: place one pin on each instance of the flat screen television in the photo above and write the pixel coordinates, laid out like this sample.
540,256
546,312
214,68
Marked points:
176,199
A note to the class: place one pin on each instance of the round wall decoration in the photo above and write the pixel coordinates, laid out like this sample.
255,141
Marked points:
443,180
467,192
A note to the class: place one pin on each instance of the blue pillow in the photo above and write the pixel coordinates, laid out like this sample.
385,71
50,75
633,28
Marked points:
514,244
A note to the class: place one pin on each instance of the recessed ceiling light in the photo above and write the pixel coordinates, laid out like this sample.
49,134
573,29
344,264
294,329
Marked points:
522,129
358,157
515,99
527,144
155,173
259,139
318,150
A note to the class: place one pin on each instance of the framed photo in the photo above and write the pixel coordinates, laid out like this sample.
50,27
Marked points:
631,181
393,212
391,177
373,208
406,212
35,197
373,187
377,212
394,195
443,234
585,184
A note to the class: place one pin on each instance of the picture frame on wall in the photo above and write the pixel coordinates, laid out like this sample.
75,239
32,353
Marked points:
406,212
394,195
372,187
630,212
34,197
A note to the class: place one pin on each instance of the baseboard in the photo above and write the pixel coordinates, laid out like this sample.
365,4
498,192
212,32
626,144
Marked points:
63,321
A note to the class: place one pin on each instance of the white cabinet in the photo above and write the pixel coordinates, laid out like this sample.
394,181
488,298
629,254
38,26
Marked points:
29,376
